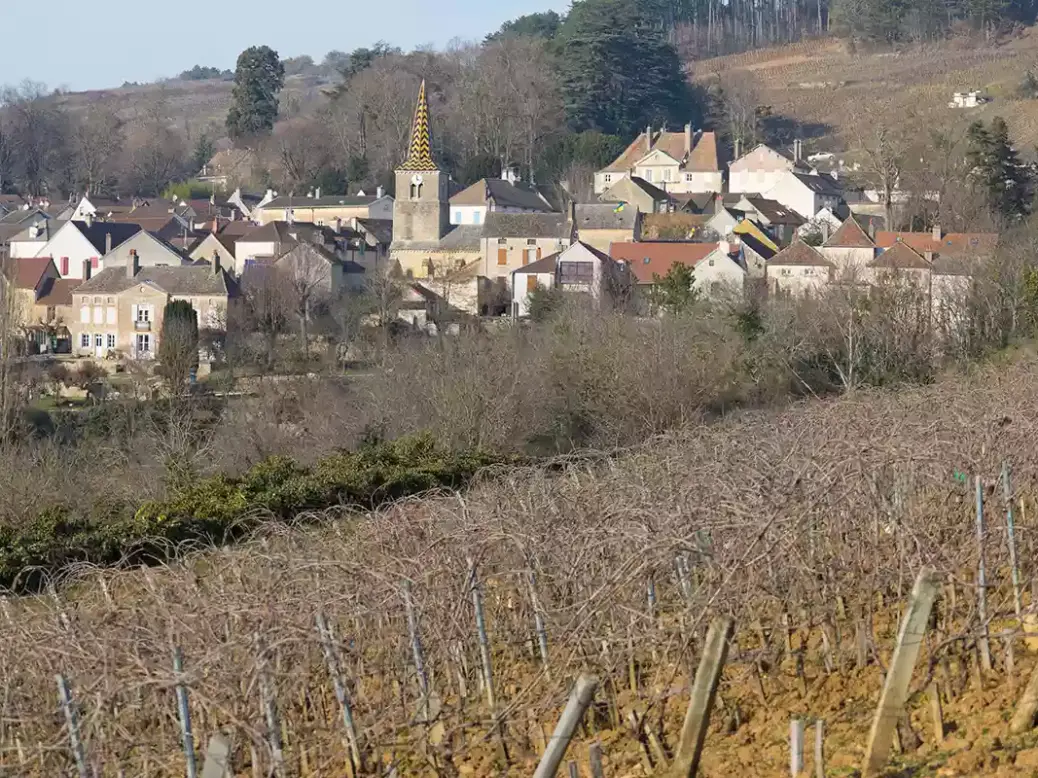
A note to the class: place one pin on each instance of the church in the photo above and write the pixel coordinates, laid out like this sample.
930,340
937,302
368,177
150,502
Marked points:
443,258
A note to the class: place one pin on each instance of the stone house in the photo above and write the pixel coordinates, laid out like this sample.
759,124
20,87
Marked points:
685,162
511,241
120,308
601,225
638,193
496,195
324,211
798,270
577,269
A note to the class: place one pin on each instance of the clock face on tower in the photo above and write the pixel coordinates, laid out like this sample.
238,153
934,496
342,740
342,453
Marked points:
416,179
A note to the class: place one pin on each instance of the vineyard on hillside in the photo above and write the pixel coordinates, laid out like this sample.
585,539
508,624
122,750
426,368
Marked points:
807,527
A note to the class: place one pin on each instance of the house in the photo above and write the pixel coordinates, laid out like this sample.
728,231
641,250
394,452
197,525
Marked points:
13,223
230,167
577,269
243,203
780,222
639,193
798,270
601,225
754,255
324,211
104,207
823,225
496,195
511,240
175,229
673,161
41,303
76,241
30,240
215,245
263,243
120,308
899,263
716,271
316,270
936,243
806,194
850,249
760,170
150,249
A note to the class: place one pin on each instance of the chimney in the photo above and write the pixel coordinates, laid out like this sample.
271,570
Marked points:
108,243
738,147
872,230
34,230
338,225
216,263
796,150
573,213
688,138
380,193
937,232
89,219
648,139
132,264
317,193
86,269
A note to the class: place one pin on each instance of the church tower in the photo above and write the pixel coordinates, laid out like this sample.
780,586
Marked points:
421,210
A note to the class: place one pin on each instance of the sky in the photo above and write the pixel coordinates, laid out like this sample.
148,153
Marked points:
129,40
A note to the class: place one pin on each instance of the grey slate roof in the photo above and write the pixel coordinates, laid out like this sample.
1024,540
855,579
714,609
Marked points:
381,229
333,201
183,280
464,237
527,225
823,185
603,216
503,193
98,232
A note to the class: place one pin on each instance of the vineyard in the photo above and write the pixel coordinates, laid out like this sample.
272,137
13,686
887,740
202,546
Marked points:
442,635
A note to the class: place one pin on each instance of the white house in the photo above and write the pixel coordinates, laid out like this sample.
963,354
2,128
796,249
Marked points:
682,162
798,270
825,223
580,268
496,195
38,230
760,170
850,249
151,251
806,194
77,241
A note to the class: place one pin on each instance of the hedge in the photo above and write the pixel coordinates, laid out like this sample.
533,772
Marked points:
221,508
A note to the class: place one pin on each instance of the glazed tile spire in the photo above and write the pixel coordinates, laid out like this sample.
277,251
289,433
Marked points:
419,154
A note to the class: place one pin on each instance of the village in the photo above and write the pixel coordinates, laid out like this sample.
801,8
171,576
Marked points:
91,275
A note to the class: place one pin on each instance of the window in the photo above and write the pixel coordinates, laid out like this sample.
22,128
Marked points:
457,217
646,261
576,272
111,340
666,174
688,176
99,341
784,271
64,266
97,301
84,340
84,314
477,217
144,313
648,174
531,241
143,344
711,263
608,178
502,255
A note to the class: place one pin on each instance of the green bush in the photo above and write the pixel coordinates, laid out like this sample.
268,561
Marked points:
222,508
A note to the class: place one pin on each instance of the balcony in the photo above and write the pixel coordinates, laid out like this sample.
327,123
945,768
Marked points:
142,326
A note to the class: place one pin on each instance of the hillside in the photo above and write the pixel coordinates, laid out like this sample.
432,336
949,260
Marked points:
835,93
765,514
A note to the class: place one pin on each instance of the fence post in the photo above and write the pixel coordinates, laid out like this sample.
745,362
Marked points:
594,757
217,758
1007,494
270,709
895,688
481,634
579,700
72,720
982,598
339,685
538,617
704,690
416,646
184,711
819,748
796,747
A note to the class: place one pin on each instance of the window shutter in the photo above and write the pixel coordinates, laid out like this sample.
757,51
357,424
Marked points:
538,252
64,266
502,256
133,313
531,282
84,314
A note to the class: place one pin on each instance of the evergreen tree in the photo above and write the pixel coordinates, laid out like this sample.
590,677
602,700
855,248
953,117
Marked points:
258,78
178,343
537,25
675,291
617,72
997,170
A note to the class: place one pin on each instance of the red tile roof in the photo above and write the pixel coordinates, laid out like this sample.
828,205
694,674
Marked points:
953,243
655,259
850,235
27,271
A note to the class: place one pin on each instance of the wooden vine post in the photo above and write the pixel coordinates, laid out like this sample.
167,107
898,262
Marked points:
895,689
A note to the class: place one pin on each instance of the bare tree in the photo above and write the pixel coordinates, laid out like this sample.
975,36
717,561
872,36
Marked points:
303,151
885,153
97,139
266,307
308,273
37,131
